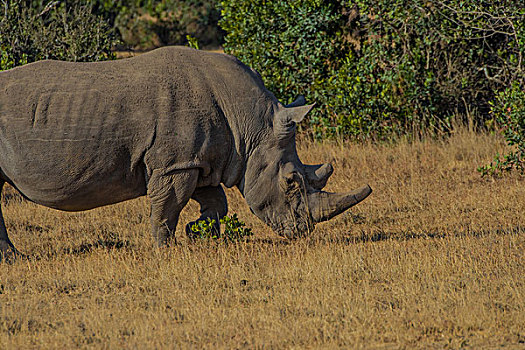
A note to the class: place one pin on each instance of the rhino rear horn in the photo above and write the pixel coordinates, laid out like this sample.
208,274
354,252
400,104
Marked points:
286,119
317,175
325,205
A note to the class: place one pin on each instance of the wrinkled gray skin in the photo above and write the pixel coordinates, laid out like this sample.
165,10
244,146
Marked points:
174,124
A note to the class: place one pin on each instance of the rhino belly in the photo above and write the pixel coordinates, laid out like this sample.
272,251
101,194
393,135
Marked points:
75,179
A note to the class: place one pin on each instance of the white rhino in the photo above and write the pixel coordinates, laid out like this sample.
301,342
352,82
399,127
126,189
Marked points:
173,124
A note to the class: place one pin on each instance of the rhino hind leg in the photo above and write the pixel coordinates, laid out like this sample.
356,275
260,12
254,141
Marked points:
169,193
8,251
213,206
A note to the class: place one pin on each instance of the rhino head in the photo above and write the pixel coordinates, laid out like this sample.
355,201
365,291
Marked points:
282,191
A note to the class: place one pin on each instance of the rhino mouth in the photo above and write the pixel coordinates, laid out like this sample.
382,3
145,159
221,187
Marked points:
291,233
294,227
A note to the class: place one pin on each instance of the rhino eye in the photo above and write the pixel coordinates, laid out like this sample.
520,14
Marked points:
293,177
262,206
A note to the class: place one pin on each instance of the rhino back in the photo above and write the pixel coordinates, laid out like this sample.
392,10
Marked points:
80,135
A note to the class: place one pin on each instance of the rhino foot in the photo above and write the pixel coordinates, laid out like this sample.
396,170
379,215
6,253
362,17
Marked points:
9,254
213,207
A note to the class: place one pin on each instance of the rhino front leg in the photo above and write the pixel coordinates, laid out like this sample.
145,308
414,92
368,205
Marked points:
213,206
168,195
8,251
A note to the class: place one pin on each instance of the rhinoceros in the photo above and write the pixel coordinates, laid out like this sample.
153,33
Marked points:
174,124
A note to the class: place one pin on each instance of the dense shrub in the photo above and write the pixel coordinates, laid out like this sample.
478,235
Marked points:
382,66
295,45
31,32
145,24
433,60
509,113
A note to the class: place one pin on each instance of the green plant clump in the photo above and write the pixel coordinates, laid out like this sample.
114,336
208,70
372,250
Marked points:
192,42
509,112
381,67
30,33
234,229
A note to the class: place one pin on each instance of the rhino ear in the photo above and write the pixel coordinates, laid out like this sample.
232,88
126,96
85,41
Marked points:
299,101
286,118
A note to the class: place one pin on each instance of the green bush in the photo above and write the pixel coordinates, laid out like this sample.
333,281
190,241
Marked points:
383,66
145,24
138,24
295,45
30,32
205,229
192,42
234,229
509,112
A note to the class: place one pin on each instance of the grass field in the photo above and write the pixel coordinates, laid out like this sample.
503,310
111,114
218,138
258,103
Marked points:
434,258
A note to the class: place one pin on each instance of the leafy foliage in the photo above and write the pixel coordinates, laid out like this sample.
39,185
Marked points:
381,67
192,42
234,229
145,24
32,33
509,112
295,45
205,229
142,24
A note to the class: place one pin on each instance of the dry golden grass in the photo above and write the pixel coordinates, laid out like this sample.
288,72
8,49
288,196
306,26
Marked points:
434,258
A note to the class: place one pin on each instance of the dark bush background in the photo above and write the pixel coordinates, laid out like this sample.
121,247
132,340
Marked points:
31,31
379,68
53,27
146,24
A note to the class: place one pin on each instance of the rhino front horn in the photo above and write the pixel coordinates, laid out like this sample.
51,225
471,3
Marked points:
325,205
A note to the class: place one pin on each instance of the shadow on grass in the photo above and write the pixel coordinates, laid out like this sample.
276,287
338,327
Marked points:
380,235
85,248
372,237
107,244
111,244
277,241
